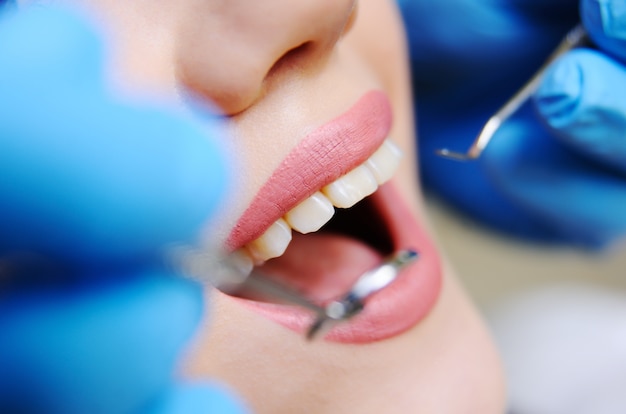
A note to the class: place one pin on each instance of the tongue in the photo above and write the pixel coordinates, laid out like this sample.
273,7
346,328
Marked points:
322,266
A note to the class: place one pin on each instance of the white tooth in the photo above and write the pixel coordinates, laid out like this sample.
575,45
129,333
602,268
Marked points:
272,243
385,161
351,188
311,214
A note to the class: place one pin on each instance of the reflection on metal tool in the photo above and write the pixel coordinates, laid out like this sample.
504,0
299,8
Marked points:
574,38
353,302
231,277
228,277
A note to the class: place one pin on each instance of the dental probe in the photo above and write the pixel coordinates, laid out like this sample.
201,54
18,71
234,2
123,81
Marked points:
574,38
225,275
353,302
230,277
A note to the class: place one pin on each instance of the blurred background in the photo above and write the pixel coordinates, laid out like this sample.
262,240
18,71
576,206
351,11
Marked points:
558,315
494,266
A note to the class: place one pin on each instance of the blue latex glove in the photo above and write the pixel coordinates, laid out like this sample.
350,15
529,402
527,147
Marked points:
556,172
93,188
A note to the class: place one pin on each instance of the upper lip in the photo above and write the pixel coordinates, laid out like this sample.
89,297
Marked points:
320,158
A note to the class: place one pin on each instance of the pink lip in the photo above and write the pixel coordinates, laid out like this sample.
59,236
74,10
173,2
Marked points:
394,309
323,156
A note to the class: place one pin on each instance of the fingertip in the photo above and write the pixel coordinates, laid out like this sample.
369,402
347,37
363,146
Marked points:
581,101
605,20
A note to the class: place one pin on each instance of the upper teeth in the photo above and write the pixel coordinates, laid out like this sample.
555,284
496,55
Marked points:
311,214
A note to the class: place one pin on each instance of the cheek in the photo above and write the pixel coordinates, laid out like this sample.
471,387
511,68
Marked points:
141,39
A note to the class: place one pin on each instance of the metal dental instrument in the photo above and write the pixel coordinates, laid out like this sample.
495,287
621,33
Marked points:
353,302
226,276
258,283
231,277
574,38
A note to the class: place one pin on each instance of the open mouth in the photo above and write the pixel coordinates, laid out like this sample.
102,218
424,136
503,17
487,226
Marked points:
336,221
325,211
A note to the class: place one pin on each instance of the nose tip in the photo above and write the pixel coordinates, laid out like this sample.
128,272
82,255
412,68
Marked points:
227,53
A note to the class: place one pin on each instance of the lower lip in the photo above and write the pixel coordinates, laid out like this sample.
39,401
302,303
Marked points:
393,310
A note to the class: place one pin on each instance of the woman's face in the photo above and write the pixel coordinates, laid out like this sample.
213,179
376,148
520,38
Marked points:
312,89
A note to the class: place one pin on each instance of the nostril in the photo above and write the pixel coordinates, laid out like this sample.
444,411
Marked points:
294,58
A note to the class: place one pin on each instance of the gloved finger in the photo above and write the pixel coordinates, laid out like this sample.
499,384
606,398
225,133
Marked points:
84,176
474,195
605,21
581,98
580,201
197,398
94,349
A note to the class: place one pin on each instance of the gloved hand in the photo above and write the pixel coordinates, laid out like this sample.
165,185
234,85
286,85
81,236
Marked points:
91,191
557,170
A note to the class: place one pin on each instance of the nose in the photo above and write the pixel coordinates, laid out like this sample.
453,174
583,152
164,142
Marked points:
228,49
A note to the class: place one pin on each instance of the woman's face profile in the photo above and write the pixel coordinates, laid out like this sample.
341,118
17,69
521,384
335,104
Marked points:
318,106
